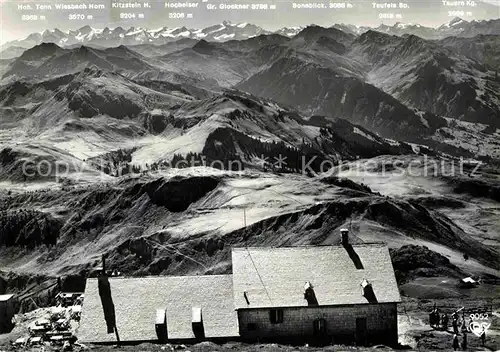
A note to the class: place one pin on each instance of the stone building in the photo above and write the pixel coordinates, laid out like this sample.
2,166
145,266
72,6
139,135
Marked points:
317,294
328,294
7,311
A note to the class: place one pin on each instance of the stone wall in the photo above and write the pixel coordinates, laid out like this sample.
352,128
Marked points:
298,323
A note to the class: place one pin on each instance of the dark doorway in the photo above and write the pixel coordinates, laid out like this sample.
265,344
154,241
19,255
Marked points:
361,332
319,327
320,332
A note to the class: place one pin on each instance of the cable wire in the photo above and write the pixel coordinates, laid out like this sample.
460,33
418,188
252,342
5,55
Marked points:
260,277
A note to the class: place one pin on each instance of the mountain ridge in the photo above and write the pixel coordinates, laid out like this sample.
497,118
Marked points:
226,31
375,80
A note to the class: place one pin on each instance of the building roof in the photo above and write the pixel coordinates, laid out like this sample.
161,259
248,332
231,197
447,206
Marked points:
276,277
137,299
5,297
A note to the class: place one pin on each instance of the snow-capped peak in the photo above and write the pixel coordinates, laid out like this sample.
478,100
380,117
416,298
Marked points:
218,32
290,31
456,21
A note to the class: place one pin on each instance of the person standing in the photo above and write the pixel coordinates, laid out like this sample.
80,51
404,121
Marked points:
483,336
444,322
455,325
437,318
455,342
432,318
464,327
464,340
464,324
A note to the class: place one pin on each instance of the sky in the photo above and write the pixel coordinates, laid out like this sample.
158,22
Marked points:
425,12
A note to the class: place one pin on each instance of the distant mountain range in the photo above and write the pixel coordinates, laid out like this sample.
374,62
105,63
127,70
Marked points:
400,87
226,31
457,27
133,36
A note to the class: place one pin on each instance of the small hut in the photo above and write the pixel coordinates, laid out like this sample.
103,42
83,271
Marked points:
7,310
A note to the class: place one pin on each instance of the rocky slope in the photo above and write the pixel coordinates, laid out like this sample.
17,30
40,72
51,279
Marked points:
142,221
99,111
423,75
185,222
373,79
483,48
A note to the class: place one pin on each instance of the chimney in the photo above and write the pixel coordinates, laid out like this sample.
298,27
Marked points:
310,295
344,233
197,323
368,292
161,325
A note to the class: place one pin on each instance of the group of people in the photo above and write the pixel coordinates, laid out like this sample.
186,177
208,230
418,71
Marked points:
440,321
456,344
437,320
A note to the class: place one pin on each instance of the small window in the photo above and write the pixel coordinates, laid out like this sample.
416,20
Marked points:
251,326
276,316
